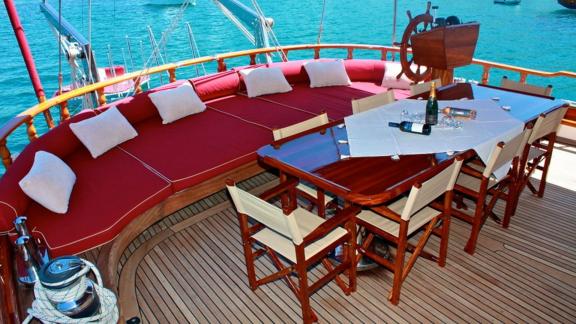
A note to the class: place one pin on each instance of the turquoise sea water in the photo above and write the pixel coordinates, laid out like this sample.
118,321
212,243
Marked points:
537,34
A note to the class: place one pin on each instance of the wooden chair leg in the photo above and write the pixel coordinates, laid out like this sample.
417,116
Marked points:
548,158
511,203
351,256
308,315
399,264
443,253
248,253
470,247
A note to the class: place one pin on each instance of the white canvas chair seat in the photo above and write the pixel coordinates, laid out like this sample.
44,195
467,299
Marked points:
396,221
535,152
307,222
295,242
473,183
311,191
479,186
417,220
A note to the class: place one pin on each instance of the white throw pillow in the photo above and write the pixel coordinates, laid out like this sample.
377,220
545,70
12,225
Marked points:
327,73
173,104
392,69
262,81
49,182
103,132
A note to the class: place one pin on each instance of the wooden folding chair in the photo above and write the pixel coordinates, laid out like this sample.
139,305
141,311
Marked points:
477,182
525,87
416,89
301,238
403,218
364,104
539,154
316,197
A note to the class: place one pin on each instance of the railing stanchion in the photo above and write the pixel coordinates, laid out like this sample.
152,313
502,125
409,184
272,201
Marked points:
523,76
101,96
485,74
350,53
316,53
221,65
31,129
172,75
64,113
5,154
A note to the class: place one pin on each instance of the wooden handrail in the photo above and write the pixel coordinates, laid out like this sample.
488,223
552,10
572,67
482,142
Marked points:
28,115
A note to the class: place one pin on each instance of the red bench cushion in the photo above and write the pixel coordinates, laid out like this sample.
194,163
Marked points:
198,147
262,112
109,193
216,85
336,101
61,142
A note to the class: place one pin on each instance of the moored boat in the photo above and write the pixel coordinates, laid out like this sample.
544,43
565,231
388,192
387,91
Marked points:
570,4
508,2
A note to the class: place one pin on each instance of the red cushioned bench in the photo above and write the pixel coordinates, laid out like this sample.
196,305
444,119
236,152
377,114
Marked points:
166,167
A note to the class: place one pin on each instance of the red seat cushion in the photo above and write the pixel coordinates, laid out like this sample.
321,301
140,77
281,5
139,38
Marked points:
60,141
262,112
198,147
336,101
109,193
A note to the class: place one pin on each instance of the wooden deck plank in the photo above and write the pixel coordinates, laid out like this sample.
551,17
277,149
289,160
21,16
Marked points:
526,273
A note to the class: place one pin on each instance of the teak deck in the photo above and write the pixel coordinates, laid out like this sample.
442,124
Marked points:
190,268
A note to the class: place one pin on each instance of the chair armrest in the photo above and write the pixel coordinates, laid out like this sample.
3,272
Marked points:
384,211
279,189
342,217
471,171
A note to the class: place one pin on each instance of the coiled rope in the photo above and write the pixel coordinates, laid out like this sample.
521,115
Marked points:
43,310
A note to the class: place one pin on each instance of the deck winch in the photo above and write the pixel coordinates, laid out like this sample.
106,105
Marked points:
66,293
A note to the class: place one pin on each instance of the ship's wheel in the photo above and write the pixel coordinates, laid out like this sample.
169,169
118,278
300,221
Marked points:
418,24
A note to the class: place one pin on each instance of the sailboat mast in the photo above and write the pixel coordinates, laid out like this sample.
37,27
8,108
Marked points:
25,50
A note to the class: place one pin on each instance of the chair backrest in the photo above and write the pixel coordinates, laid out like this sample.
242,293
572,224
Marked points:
431,189
504,153
287,131
524,87
416,89
547,124
364,104
266,214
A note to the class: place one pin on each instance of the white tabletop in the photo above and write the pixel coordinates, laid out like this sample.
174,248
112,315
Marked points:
370,135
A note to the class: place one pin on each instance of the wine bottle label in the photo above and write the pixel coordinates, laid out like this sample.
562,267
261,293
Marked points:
417,128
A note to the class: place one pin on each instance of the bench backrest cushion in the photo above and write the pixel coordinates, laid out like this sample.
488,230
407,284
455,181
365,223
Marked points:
139,107
60,141
217,85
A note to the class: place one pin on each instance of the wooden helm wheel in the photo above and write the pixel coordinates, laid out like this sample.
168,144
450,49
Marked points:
418,24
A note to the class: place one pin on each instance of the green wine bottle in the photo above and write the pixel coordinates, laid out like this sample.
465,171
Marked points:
432,106
411,127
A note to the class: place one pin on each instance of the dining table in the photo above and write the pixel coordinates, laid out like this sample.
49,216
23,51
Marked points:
322,156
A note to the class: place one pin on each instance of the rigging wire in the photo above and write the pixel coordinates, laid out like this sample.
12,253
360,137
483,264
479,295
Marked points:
60,78
163,41
269,30
321,26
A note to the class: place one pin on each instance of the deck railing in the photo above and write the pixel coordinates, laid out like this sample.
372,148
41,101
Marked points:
27,118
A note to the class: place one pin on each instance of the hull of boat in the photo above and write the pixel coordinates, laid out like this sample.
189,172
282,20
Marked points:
508,2
570,4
